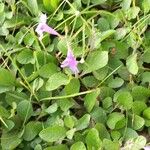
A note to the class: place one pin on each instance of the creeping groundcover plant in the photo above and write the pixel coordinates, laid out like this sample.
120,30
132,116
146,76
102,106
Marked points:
75,74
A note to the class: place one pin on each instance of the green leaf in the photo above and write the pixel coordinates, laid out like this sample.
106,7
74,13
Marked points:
6,78
107,144
103,133
70,133
95,60
139,142
138,107
10,125
146,77
116,82
15,96
132,12
51,5
56,80
38,147
125,99
106,34
132,64
24,110
32,129
33,5
90,100
103,24
25,56
78,146
65,104
29,39
37,84
2,7
89,81
120,33
62,46
146,113
125,4
59,16
69,121
4,112
72,87
83,122
2,18
107,102
98,1
138,122
47,70
53,134
10,140
98,114
115,120
57,147
52,108
100,74
130,134
116,135
146,5
4,31
92,139
140,93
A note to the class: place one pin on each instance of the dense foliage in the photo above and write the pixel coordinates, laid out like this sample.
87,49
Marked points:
102,103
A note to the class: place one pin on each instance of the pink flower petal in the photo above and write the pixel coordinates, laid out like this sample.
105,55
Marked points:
70,62
50,30
43,27
146,148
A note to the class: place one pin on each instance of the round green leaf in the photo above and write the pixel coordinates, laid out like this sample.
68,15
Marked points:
140,93
6,78
78,146
56,80
130,134
51,5
103,24
95,60
90,100
83,122
47,70
25,56
57,147
146,113
52,108
72,87
125,99
138,107
92,139
24,109
33,5
115,118
115,83
31,130
138,122
53,134
108,144
10,140
132,64
69,121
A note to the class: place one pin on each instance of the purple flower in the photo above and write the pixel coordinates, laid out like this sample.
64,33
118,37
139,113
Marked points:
70,62
43,27
146,148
